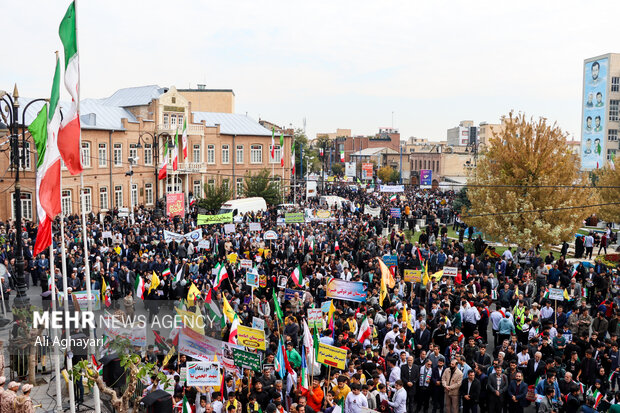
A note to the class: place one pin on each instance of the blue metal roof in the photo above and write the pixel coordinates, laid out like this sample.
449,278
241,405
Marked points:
134,96
232,124
94,114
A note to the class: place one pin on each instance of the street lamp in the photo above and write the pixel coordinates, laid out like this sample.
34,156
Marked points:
155,138
9,112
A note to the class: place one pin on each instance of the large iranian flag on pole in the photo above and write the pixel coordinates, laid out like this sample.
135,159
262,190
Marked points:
163,171
44,131
184,137
175,152
364,332
282,150
69,136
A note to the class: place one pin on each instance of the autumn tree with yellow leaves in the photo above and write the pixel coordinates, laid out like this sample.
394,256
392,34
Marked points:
609,177
509,193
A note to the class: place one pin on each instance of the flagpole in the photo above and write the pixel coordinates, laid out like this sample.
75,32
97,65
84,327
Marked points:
82,203
55,333
69,355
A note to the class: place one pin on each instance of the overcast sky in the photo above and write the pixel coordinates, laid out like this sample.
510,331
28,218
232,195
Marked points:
339,64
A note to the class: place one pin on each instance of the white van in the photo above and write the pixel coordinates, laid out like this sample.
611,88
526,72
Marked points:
244,205
331,200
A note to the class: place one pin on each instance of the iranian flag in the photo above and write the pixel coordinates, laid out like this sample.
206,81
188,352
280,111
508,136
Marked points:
392,197
297,276
336,246
293,160
232,336
282,150
175,152
179,275
184,137
341,156
97,366
50,282
163,171
364,332
69,135
139,287
44,131
273,143
220,275
187,407
166,272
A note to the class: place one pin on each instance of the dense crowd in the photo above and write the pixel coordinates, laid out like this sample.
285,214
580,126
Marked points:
490,338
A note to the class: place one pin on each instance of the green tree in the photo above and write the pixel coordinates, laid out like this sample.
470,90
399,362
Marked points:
395,176
309,158
338,169
262,185
514,174
214,197
461,201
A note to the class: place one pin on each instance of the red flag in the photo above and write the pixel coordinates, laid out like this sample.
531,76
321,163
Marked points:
459,278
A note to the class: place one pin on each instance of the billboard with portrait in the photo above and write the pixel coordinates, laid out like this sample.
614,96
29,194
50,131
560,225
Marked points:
592,151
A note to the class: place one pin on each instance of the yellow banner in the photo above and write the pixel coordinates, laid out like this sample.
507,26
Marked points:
252,337
413,276
331,356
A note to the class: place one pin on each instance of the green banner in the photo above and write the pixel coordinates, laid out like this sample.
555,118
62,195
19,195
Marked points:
294,218
246,360
215,219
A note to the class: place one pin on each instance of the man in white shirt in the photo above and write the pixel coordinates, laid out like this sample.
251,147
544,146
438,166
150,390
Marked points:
547,312
399,402
394,374
355,400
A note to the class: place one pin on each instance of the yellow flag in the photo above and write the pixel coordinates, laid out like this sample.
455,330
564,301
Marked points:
425,278
383,291
406,319
230,313
437,276
192,294
331,311
566,296
195,321
169,356
104,288
154,282
386,274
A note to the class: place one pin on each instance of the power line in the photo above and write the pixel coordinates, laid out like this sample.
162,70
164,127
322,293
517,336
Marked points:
539,210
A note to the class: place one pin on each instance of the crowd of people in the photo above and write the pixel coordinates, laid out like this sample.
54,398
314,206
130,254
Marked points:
491,338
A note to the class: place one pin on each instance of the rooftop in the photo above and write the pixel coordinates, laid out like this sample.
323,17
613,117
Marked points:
232,123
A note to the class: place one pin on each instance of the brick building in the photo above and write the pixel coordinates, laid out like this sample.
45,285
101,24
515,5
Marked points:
222,148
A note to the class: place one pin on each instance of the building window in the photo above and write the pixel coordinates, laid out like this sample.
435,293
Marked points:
612,135
225,184
65,202
180,121
613,110
86,154
211,154
148,194
87,200
211,183
225,154
166,120
103,197
196,153
239,154
173,121
103,154
118,196
256,154
174,184
24,155
278,181
26,201
118,154
134,195
197,189
611,154
148,154
276,154
615,84
133,151
239,184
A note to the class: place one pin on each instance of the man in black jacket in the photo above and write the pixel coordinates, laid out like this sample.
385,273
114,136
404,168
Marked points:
470,391
410,376
497,385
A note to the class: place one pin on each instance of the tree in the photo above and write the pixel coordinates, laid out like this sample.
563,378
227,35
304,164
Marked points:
388,174
512,173
338,169
262,185
461,201
609,177
309,159
135,370
214,197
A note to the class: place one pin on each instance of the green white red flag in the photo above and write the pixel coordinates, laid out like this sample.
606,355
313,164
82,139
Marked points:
163,171
69,135
297,276
44,131
184,137
175,152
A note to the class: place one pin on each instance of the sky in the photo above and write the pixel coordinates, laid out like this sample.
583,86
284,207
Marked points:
338,64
